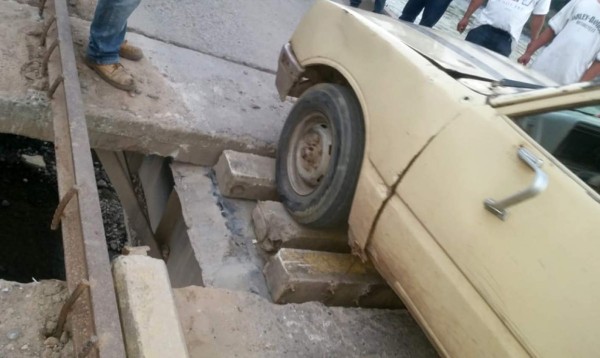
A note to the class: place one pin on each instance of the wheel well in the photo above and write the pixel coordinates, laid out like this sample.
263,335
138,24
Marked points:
316,74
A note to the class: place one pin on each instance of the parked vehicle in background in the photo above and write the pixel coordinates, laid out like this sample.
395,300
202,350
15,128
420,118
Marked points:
469,181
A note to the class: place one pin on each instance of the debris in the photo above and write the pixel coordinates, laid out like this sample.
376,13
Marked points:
5,203
137,250
36,161
297,276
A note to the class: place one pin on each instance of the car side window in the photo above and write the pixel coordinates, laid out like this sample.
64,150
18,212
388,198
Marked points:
572,136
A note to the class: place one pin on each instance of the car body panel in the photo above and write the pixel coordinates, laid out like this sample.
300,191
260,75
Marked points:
538,274
371,192
453,314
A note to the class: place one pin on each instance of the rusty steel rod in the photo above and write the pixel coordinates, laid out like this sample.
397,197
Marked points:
47,55
61,207
46,29
94,313
66,308
55,85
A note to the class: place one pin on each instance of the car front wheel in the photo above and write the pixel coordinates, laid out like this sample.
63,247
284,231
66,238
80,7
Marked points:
320,154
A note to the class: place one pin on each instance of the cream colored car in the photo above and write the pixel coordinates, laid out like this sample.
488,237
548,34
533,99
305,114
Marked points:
467,180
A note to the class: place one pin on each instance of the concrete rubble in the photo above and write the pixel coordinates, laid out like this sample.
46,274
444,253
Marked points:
275,228
297,276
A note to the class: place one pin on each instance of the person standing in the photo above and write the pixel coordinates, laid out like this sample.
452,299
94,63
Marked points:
501,22
573,39
377,8
433,10
107,43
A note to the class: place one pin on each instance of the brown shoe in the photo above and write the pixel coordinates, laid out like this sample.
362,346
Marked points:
115,74
130,52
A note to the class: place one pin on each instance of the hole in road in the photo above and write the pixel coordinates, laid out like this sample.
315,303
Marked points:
28,197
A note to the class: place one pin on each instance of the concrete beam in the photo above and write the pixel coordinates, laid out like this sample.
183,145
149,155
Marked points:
138,227
148,314
182,264
246,176
297,276
224,256
275,228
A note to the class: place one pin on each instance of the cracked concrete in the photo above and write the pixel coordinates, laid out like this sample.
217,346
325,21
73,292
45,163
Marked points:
222,323
191,106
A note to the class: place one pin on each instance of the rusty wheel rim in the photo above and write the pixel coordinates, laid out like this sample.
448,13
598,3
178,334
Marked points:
310,151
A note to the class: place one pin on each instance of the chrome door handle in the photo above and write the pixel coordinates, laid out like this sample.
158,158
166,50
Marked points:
540,183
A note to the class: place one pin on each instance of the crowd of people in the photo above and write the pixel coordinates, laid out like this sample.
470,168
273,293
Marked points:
570,42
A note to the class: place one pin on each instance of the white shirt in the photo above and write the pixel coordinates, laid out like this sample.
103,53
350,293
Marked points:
511,15
576,45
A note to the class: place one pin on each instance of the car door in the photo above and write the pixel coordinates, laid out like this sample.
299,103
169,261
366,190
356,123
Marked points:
538,268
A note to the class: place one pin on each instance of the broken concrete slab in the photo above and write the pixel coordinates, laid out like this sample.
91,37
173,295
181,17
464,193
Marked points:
275,228
191,116
246,176
297,276
147,309
221,323
226,258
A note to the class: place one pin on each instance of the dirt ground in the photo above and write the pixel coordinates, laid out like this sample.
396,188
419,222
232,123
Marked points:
27,313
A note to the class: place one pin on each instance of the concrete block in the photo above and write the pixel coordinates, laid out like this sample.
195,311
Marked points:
246,176
275,229
297,276
148,314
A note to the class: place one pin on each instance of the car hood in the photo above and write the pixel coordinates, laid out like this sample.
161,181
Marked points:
452,54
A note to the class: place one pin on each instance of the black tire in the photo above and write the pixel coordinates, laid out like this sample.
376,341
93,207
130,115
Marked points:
330,113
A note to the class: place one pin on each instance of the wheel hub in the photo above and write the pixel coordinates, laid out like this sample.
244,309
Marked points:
312,143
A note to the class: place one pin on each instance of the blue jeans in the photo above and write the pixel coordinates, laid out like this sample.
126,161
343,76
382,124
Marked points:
108,28
491,38
432,11
378,8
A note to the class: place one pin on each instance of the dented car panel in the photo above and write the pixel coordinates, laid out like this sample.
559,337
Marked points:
436,149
